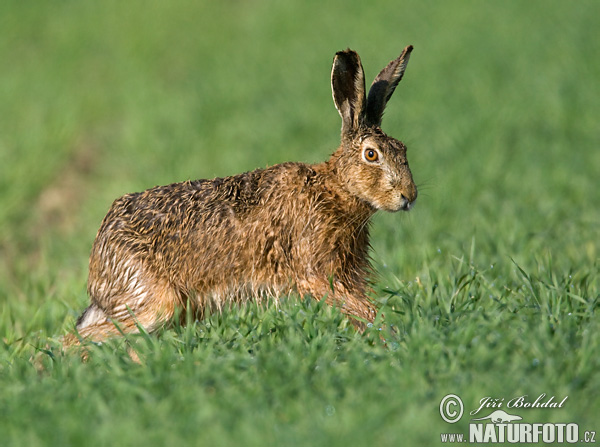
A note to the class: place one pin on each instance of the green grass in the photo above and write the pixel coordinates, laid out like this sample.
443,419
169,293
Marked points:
489,287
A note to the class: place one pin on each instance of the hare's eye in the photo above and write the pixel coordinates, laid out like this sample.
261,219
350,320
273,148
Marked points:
371,155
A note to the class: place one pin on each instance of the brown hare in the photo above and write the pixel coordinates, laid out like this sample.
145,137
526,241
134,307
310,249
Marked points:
290,228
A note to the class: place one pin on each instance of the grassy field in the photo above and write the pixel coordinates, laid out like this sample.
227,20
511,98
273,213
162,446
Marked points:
490,286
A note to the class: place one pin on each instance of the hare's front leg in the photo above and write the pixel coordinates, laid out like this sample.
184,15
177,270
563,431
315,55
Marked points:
351,299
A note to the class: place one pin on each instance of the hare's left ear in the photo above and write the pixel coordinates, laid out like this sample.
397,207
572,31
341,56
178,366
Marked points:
384,85
348,87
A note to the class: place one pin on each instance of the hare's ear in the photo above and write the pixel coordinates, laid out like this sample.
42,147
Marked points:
348,87
384,85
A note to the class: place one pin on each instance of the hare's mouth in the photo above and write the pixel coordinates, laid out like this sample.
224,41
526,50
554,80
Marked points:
401,204
405,204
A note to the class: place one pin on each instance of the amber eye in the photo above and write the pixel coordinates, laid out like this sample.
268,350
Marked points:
371,155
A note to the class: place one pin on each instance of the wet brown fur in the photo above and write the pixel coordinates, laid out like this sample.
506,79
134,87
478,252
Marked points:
289,228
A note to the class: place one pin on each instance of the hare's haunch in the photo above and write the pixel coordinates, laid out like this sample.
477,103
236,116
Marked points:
290,228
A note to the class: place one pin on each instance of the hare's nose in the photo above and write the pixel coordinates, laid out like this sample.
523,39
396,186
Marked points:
406,204
410,193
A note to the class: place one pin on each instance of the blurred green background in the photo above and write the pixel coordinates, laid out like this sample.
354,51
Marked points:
500,110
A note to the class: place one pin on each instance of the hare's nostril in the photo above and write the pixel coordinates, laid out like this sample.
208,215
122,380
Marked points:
406,203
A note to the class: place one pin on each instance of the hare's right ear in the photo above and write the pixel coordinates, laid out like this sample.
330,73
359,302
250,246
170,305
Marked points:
384,85
348,87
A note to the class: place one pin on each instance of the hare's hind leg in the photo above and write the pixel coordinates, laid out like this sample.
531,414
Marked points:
121,304
94,325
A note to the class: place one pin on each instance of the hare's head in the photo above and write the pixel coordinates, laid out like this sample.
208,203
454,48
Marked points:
371,165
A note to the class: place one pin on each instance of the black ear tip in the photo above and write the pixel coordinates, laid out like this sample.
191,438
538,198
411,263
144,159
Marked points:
346,52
